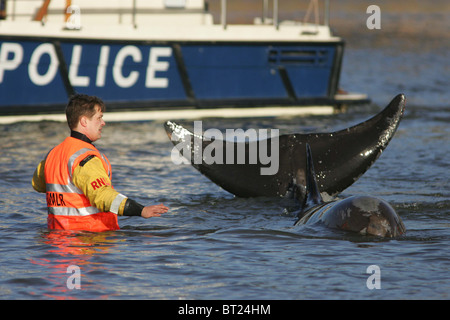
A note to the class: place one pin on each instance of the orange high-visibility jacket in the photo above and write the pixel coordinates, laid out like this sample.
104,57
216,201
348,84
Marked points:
68,206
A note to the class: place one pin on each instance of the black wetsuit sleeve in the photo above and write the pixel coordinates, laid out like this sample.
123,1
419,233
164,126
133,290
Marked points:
132,208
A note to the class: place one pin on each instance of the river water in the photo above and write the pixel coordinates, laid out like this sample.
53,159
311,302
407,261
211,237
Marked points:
212,245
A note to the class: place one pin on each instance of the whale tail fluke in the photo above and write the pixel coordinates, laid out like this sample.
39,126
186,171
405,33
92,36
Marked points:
340,157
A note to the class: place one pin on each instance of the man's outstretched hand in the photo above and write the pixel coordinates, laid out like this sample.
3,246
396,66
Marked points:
154,211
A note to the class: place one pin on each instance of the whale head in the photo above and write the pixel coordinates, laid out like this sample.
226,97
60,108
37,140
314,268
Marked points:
363,214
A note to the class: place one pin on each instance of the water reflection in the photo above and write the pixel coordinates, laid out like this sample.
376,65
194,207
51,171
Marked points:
80,244
69,250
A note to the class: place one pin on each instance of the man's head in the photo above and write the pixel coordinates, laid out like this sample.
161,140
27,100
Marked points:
85,114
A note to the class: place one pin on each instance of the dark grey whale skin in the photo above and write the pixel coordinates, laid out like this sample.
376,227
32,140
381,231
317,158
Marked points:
340,157
366,215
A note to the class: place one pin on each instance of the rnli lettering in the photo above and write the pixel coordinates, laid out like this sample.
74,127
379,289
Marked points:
55,199
125,64
100,182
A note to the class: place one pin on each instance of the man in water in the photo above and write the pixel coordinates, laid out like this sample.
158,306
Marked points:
76,177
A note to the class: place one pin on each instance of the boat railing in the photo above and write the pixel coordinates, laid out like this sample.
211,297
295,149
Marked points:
313,8
41,9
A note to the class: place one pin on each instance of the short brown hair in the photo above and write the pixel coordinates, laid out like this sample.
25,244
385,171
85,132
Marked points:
82,105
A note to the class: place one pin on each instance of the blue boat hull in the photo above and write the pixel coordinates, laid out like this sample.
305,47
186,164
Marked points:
38,75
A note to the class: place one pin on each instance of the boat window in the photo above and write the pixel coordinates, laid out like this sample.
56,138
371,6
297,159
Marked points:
175,3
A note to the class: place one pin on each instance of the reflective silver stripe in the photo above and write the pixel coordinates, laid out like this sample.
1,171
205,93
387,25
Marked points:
116,203
107,164
61,188
76,155
71,187
65,211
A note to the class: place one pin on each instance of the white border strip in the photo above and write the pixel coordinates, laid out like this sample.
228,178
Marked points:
184,114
